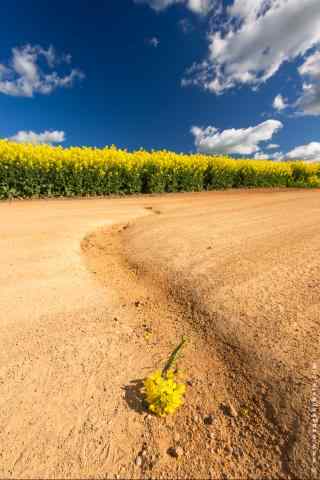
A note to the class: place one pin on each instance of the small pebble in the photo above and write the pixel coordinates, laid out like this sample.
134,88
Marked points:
176,452
139,461
179,451
209,420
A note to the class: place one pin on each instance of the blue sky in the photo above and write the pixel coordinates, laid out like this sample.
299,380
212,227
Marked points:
104,72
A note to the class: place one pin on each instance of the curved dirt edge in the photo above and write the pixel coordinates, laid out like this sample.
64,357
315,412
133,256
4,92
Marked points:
250,444
70,347
283,395
282,402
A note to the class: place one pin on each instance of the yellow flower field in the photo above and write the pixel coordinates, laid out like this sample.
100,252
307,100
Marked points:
43,171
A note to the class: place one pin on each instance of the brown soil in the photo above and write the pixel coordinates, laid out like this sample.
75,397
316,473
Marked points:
237,272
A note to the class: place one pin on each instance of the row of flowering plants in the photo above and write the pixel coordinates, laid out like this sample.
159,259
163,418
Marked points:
44,171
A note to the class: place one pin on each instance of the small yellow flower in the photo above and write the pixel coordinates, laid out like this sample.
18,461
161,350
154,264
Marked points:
162,393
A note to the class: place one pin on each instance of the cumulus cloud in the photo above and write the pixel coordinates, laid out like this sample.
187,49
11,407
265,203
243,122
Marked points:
49,137
153,42
23,76
243,141
247,141
309,101
201,7
255,40
279,103
277,156
311,66
307,153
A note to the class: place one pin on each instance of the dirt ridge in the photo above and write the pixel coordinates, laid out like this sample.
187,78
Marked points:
73,325
214,384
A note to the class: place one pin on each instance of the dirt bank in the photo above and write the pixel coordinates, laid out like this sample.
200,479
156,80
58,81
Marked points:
246,267
72,335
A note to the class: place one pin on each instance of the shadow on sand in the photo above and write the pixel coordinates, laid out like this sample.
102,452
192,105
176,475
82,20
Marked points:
134,396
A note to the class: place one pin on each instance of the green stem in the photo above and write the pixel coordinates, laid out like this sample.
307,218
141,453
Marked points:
174,356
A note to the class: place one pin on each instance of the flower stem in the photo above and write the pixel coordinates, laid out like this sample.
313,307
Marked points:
174,356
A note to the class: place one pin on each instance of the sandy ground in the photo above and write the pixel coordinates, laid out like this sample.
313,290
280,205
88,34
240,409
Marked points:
237,271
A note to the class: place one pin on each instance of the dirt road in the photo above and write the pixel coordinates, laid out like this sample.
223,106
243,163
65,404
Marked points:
237,271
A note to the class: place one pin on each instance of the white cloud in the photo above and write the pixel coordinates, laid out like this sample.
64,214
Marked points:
256,39
159,5
201,7
243,141
277,156
311,66
35,138
272,146
309,101
185,25
307,153
153,42
23,76
279,103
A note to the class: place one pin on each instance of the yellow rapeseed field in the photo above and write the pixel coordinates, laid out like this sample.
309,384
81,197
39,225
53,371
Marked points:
41,170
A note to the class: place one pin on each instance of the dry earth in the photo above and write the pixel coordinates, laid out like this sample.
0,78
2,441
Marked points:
96,293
